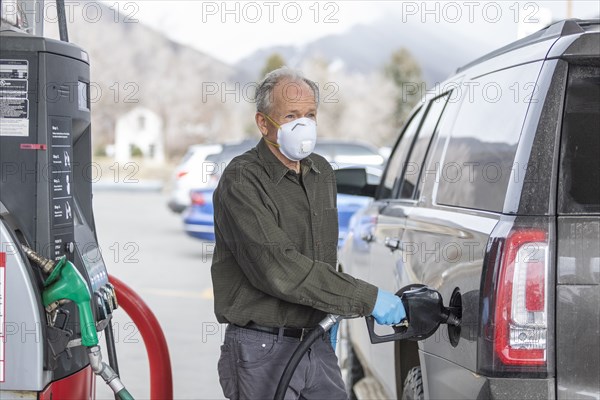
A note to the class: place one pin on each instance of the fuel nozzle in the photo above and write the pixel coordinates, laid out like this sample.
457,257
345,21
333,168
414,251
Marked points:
65,283
425,312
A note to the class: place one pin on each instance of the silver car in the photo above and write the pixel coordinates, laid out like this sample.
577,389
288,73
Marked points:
492,197
192,173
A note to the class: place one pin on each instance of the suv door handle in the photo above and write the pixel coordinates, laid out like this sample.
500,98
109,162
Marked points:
367,235
393,243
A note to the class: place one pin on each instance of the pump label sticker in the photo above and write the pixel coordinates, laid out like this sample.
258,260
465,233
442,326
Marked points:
14,98
2,310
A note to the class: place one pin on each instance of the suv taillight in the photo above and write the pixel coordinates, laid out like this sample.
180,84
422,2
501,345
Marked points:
197,198
521,314
515,303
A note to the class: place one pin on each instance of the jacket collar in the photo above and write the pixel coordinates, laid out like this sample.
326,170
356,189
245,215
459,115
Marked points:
275,168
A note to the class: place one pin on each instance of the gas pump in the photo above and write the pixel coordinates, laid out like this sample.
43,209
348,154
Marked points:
55,295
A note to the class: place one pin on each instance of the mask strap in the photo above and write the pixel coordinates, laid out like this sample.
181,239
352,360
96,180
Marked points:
276,125
271,143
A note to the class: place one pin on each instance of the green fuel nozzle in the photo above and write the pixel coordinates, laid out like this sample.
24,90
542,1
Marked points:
66,283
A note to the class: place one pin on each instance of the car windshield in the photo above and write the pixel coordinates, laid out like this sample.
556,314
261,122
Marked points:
187,156
349,149
349,153
230,151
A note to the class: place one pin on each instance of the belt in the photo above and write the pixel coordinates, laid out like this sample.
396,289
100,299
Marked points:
298,333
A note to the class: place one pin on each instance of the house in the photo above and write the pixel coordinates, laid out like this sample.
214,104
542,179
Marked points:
139,133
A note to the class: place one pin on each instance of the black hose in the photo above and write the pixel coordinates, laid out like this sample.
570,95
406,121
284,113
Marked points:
62,20
291,366
111,349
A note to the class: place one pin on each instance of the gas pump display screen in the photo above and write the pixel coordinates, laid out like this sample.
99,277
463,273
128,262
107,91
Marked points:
83,96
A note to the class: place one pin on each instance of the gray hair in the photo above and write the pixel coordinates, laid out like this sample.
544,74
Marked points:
264,91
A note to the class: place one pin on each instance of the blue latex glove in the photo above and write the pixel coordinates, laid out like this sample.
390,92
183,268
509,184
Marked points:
333,332
388,309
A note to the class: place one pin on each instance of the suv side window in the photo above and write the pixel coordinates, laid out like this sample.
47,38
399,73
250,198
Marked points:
395,164
478,159
579,182
413,167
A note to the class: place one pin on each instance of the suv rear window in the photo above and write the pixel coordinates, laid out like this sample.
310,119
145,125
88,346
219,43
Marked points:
480,153
579,183
413,168
395,166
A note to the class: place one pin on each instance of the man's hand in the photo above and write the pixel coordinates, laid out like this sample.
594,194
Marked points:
388,309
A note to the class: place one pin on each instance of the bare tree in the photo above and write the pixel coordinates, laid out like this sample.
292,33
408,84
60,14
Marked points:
405,73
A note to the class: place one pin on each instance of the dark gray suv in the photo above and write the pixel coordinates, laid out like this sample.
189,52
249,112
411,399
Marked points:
492,197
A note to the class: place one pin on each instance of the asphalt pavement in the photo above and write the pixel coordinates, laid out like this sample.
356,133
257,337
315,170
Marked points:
144,245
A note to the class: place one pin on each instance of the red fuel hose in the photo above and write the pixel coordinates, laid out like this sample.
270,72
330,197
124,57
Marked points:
161,377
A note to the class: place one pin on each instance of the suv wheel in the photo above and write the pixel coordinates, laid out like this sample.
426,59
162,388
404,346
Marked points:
413,385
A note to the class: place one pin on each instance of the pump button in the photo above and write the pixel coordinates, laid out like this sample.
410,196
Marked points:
70,247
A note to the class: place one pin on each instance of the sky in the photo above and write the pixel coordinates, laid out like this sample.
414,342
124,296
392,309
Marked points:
231,30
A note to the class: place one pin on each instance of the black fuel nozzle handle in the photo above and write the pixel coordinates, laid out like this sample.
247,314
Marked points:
425,312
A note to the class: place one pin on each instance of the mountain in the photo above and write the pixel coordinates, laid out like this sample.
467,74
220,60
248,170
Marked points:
367,47
133,65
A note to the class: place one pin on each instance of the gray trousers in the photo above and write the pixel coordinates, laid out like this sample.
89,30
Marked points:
252,362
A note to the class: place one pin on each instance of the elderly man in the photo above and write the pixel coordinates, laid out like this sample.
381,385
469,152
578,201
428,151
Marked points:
274,266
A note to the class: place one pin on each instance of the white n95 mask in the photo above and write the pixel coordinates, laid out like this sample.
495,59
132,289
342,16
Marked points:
296,139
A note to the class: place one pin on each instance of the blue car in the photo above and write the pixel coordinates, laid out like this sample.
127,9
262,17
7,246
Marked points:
199,222
198,219
348,205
